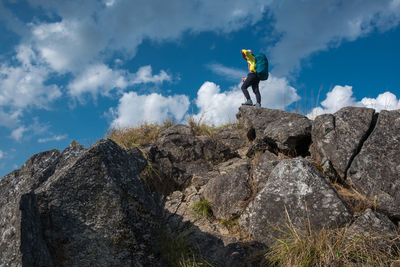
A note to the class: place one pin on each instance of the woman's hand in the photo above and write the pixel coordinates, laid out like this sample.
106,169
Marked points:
243,79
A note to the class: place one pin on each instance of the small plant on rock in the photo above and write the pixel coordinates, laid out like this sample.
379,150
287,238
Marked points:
203,208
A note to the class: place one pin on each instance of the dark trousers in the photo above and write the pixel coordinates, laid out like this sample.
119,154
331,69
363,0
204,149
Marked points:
253,80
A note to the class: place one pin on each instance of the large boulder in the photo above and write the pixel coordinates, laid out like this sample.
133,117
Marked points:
179,155
13,188
336,138
373,223
375,171
232,136
81,207
262,167
376,229
294,188
274,129
228,191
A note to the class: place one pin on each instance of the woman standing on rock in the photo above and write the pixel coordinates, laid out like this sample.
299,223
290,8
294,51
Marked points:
252,79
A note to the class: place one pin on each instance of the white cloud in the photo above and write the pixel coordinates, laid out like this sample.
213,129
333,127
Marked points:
342,96
97,79
227,72
53,138
134,109
145,75
91,30
309,26
386,101
18,133
100,79
2,154
23,86
216,107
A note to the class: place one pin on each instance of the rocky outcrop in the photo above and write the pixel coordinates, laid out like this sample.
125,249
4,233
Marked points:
80,207
108,206
375,171
373,223
263,166
231,136
228,191
338,137
276,130
179,154
298,192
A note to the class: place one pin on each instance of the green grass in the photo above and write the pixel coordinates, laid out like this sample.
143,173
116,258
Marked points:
203,208
176,251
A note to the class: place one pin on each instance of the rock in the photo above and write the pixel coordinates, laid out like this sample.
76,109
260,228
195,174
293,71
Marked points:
373,223
228,191
13,187
375,171
231,136
263,165
295,186
338,137
376,229
204,236
179,155
80,207
287,132
138,157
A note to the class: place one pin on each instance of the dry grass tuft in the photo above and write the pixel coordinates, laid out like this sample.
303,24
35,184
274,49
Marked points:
332,247
202,128
137,136
357,201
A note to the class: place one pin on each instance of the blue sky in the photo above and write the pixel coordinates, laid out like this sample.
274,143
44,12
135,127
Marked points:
71,70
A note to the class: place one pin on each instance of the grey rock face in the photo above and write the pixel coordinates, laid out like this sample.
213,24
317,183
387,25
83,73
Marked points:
373,223
263,165
338,137
228,191
178,155
297,187
377,227
12,188
90,209
375,171
207,238
232,137
273,129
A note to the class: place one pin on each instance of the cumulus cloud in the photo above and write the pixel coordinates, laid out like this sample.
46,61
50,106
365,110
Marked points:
306,27
53,138
218,107
134,109
342,96
97,79
91,29
100,79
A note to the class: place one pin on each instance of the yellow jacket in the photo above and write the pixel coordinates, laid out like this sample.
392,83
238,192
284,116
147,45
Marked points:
251,60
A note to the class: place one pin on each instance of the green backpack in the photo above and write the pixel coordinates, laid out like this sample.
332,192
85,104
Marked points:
262,66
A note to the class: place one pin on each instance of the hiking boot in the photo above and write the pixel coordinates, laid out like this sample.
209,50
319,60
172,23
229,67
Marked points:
248,102
258,105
